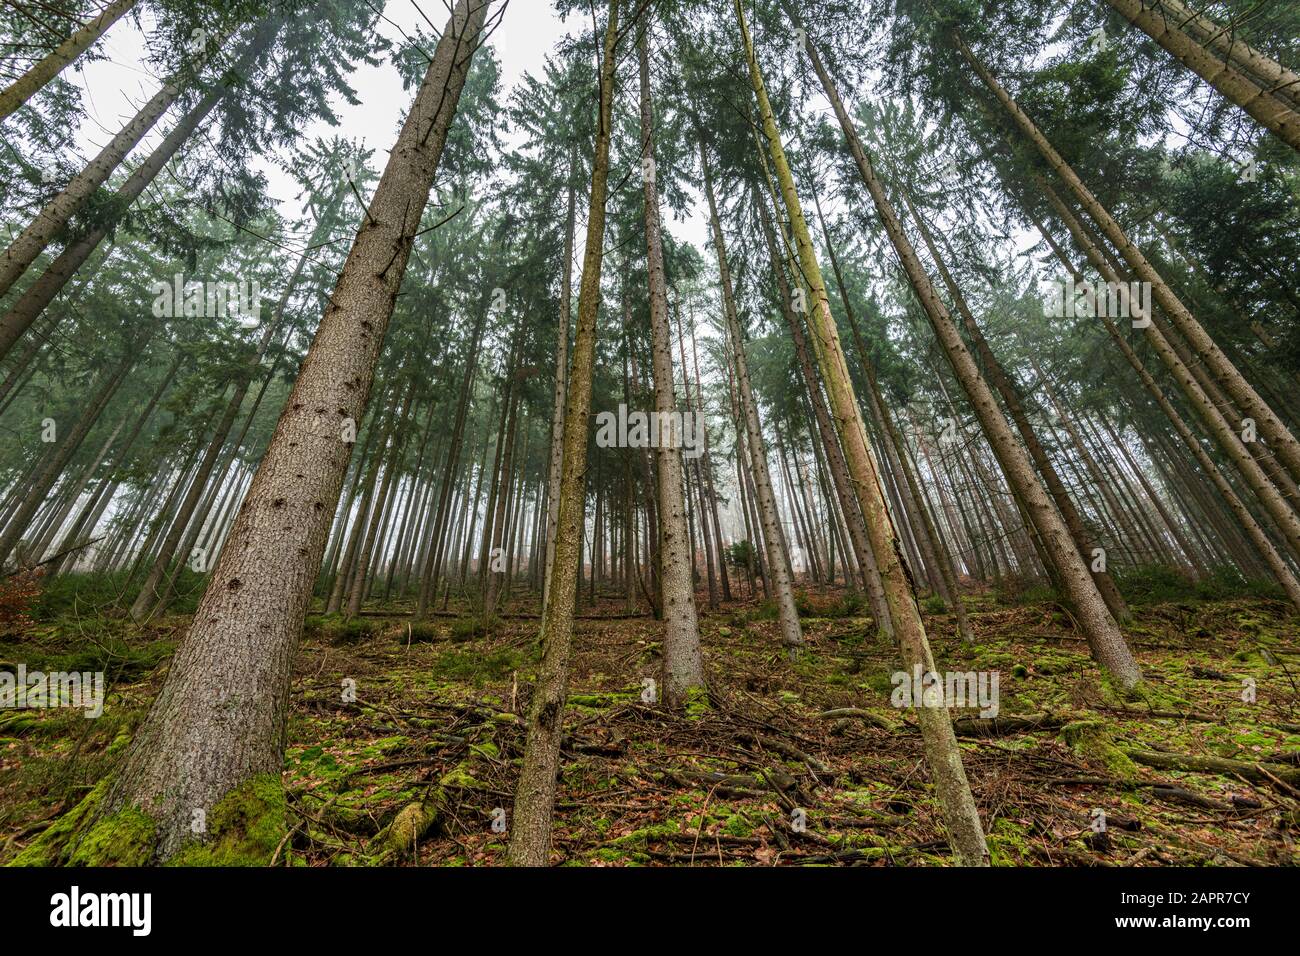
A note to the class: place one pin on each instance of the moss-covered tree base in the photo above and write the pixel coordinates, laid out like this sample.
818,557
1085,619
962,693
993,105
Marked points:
244,829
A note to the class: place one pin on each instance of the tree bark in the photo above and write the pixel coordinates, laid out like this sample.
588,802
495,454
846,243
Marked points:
1273,113
530,840
778,565
57,213
34,299
1282,442
965,833
219,720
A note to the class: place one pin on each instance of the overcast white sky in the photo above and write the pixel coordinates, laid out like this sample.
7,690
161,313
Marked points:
114,87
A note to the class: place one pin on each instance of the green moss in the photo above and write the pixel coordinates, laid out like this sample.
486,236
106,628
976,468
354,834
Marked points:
640,838
737,824
697,703
460,778
125,838
935,604
1008,843
471,628
475,666
351,630
1091,740
244,829
51,847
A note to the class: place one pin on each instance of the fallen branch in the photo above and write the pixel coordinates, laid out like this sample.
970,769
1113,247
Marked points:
1221,765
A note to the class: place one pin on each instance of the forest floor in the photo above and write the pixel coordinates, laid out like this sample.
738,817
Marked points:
1188,773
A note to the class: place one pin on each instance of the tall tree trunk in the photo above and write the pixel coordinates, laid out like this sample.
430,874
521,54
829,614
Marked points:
530,841
1267,494
683,667
1271,429
151,596
34,299
55,216
561,377
52,64
53,465
219,720
998,376
1228,440
965,833
857,527
1273,113
1104,638
778,562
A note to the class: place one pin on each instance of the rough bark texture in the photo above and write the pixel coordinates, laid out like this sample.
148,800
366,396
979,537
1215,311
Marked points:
530,840
1269,111
857,527
683,668
965,832
1270,75
561,380
219,719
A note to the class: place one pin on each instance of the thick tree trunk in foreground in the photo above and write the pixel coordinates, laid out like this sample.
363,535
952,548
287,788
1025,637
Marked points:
961,818
530,841
1271,112
53,63
219,719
